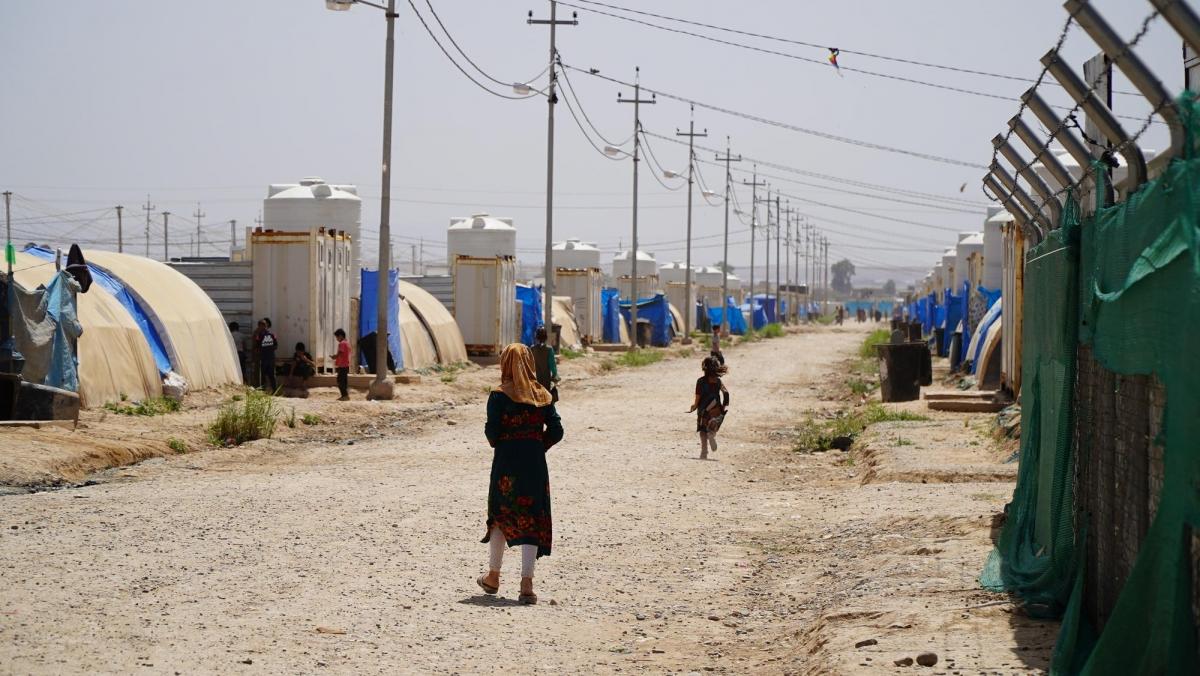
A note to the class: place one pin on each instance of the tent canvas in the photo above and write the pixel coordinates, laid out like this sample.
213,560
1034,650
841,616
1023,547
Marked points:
415,342
114,358
611,317
653,310
676,320
139,314
737,322
194,331
443,330
564,317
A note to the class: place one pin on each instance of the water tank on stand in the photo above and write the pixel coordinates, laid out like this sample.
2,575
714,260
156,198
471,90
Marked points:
968,261
575,254
313,204
674,272
622,265
480,236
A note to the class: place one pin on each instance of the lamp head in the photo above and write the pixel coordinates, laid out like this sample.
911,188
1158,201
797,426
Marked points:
339,5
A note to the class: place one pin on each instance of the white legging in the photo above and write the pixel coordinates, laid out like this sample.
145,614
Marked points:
496,546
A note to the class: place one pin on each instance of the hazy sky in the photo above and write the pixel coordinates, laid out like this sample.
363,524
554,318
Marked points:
105,101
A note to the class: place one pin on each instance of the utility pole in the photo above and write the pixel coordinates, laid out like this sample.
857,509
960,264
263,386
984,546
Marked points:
8,343
754,186
199,215
551,99
825,295
414,258
637,101
690,310
725,256
120,231
148,207
787,261
778,232
796,284
166,237
232,237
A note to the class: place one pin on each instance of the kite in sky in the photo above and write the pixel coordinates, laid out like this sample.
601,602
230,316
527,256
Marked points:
833,55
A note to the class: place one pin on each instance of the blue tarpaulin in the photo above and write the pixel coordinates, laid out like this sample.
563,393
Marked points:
768,305
114,287
611,315
655,310
737,322
367,311
59,305
758,314
989,318
531,311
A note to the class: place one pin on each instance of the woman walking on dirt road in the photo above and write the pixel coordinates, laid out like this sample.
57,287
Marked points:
711,402
521,426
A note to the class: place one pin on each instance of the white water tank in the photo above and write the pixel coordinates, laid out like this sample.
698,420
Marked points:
949,259
313,203
622,265
939,279
970,245
709,276
733,281
480,236
575,254
674,272
993,247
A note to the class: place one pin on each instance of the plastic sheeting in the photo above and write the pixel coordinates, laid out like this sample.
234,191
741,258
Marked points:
757,313
114,358
611,315
58,304
768,305
656,311
193,329
532,311
368,311
140,316
443,330
564,317
737,323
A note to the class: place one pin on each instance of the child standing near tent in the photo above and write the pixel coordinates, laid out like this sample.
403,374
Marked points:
341,364
711,403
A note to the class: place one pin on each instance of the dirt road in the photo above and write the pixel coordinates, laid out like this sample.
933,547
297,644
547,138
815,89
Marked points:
361,558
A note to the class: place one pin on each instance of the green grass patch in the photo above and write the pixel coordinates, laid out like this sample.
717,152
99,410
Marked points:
310,419
825,319
149,407
819,435
876,337
449,377
860,387
608,365
240,422
772,331
636,358
751,336
568,353
290,420
177,445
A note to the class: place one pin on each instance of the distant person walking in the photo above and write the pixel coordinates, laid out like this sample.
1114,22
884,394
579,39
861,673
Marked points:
711,403
714,349
521,426
266,344
341,364
545,364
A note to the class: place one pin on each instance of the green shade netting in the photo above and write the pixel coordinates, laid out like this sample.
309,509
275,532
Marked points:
1130,289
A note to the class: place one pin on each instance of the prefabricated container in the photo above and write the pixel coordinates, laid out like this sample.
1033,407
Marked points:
313,203
1012,291
302,283
647,285
968,249
993,247
575,254
622,265
583,287
734,283
480,236
484,307
679,297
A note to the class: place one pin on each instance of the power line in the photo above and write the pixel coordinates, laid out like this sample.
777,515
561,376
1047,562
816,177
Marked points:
457,65
468,58
894,59
571,90
784,125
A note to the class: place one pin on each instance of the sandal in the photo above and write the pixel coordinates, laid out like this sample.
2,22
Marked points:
529,599
487,588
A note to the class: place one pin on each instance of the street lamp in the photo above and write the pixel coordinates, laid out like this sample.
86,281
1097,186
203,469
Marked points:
382,387
613,151
667,173
710,194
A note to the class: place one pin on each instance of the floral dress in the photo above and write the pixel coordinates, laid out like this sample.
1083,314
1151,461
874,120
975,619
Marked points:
708,393
519,491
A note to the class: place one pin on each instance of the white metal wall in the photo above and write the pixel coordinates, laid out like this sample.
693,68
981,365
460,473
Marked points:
583,286
484,307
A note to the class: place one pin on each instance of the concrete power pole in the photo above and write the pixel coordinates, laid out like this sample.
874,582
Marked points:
778,261
825,241
725,255
552,99
690,310
754,185
637,101
166,237
787,263
120,231
199,215
232,237
148,207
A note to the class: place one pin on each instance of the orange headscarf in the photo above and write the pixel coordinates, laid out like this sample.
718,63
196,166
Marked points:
518,379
